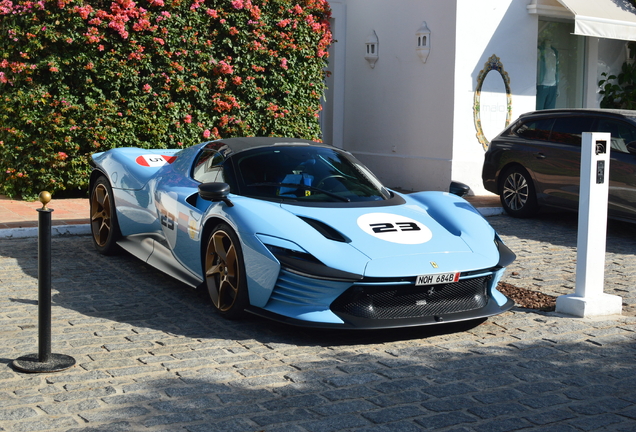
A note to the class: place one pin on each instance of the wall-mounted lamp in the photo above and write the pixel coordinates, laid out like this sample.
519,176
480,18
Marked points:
371,55
423,36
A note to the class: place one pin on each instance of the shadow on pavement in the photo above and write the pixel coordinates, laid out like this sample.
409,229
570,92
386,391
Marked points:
122,288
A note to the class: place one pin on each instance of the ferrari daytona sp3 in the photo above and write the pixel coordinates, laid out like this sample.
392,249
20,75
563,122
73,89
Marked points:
298,231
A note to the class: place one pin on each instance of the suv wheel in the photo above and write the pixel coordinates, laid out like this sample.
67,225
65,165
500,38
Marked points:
517,193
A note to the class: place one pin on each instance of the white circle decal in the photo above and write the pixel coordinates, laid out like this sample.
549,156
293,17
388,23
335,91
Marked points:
395,228
154,160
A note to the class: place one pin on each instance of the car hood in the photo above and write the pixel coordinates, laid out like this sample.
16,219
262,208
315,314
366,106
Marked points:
431,232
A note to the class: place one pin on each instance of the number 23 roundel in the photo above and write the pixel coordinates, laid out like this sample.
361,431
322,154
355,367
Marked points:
394,228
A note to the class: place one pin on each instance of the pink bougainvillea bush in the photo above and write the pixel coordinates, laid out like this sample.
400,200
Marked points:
78,77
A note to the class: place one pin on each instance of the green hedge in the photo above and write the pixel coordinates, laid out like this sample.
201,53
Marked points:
78,77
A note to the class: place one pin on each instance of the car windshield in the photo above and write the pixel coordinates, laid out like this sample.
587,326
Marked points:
307,174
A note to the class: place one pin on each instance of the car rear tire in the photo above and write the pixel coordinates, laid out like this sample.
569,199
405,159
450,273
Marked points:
104,225
517,193
225,272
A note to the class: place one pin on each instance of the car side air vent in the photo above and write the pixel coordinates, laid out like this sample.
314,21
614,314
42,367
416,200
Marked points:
326,230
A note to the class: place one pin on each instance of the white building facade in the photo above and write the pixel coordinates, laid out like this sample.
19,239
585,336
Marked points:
419,87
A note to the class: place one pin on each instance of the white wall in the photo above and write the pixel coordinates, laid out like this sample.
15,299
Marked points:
412,122
398,116
503,28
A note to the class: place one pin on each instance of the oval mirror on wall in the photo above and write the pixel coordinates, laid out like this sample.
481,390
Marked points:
492,107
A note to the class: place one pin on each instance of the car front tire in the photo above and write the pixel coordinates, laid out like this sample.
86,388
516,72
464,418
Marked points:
517,193
104,225
225,272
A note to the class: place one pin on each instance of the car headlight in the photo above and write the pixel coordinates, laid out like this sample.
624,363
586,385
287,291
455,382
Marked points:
307,265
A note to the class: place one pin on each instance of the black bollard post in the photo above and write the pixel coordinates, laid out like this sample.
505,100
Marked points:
44,361
44,284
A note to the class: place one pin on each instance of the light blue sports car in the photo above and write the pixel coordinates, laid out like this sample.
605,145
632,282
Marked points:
299,232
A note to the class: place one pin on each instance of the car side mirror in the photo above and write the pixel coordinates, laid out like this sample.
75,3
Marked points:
631,147
215,192
459,189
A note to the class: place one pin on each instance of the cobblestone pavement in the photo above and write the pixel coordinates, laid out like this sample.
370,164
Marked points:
546,255
152,356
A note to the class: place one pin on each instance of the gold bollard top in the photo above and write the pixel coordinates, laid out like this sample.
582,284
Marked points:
45,198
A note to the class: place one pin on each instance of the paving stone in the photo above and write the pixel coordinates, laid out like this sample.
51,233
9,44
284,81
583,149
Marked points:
136,370
393,414
395,386
284,417
84,394
149,383
110,363
240,411
62,423
440,421
449,404
629,413
58,409
505,425
588,391
268,370
243,396
336,423
210,375
131,398
179,418
23,400
344,407
497,396
404,397
110,415
403,426
349,393
458,389
544,401
197,390
235,425
357,379
261,381
77,377
549,417
304,401
599,422
490,411
19,413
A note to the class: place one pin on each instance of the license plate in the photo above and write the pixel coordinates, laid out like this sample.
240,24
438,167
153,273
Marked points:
440,278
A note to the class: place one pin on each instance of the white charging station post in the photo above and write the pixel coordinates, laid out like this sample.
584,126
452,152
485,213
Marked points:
588,298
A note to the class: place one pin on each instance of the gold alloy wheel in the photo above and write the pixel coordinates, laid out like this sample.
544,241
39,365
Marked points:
101,222
222,271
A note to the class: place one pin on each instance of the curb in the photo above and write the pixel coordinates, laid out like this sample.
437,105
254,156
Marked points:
56,231
490,211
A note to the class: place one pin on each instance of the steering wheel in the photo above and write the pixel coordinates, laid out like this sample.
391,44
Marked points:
324,179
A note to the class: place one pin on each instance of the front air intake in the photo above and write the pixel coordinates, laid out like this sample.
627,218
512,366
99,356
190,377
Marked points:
410,301
325,230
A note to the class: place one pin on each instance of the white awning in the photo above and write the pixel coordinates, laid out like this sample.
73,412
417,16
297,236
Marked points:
611,19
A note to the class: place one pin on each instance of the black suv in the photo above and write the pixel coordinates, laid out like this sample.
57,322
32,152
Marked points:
536,161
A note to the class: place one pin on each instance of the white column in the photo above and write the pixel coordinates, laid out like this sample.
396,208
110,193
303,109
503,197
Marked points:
588,298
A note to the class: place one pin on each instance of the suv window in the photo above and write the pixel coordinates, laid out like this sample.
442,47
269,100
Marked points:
622,133
568,130
538,129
